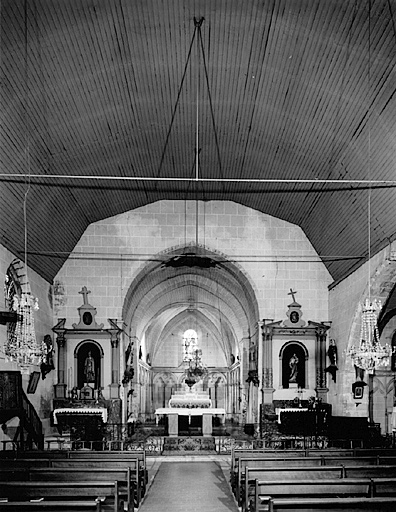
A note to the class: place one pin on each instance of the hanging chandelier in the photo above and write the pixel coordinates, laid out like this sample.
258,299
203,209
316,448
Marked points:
370,354
196,370
22,347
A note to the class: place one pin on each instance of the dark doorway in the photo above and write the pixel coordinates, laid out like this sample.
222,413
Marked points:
190,426
292,352
83,354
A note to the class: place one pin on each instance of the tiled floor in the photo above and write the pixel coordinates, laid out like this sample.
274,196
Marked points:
196,484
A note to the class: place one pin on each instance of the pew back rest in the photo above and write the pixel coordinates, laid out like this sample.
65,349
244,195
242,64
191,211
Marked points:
54,506
323,487
57,490
328,505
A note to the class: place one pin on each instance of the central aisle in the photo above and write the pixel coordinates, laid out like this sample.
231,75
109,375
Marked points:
192,486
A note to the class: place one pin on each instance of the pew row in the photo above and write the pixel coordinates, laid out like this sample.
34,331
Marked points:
138,473
329,488
109,493
387,504
55,506
237,476
250,475
76,474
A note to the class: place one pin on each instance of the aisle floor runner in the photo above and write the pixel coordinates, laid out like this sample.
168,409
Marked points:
192,486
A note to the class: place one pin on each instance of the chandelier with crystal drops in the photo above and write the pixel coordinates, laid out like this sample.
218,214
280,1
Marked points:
370,354
22,347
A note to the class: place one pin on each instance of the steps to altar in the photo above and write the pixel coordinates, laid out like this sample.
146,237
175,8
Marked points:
189,445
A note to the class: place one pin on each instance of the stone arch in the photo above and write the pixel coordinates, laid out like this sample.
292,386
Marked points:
285,354
224,295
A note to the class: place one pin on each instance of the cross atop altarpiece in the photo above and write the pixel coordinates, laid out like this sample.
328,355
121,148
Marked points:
84,292
291,293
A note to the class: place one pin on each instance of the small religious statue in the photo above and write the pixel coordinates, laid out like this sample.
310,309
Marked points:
293,368
89,368
332,353
48,356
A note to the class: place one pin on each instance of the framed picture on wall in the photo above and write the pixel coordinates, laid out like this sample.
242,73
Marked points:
33,381
358,389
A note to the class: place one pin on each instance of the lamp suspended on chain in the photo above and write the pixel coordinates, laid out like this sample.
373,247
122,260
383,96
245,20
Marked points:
370,354
21,346
196,370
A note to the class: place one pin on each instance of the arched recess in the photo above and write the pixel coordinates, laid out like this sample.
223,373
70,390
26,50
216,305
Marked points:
216,384
164,384
287,352
80,355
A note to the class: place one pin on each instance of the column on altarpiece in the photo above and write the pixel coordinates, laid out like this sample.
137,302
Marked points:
267,370
320,362
115,363
60,387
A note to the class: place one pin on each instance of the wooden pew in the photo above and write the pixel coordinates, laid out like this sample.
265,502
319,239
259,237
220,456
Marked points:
64,491
138,472
237,477
134,489
53,506
105,455
250,475
387,504
282,455
324,489
379,474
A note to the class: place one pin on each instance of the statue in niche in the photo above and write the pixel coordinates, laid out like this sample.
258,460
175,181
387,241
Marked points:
89,368
293,368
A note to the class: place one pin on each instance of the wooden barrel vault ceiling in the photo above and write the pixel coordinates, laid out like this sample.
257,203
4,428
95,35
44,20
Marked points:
292,103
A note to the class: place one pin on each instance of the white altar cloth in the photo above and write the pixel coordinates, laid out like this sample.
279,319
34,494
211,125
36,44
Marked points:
81,410
278,411
180,411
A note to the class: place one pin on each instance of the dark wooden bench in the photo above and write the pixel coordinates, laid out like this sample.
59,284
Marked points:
61,506
262,462
340,487
93,474
108,491
387,504
138,472
326,456
376,473
250,475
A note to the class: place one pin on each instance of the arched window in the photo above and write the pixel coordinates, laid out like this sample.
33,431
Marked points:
190,344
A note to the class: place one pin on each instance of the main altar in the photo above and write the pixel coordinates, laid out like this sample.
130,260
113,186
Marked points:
192,407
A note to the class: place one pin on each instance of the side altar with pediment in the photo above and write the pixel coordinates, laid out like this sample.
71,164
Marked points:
292,359
88,369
